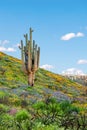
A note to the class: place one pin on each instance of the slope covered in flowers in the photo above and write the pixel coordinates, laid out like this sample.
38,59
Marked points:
46,83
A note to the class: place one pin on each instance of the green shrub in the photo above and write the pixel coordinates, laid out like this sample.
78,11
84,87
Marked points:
22,115
3,108
6,121
4,97
40,126
47,111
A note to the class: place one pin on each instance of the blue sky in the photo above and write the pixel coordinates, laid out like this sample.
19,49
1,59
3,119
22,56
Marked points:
60,29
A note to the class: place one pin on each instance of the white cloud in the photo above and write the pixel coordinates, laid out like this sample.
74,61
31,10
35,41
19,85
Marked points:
68,36
71,35
4,42
9,49
6,49
83,61
47,67
2,49
79,34
73,71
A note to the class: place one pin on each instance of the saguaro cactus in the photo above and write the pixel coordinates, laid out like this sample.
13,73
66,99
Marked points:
30,55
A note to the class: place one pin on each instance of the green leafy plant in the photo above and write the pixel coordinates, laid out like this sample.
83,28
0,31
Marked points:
22,115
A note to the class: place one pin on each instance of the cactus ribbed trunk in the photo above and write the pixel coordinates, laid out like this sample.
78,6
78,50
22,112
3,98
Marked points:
30,79
30,55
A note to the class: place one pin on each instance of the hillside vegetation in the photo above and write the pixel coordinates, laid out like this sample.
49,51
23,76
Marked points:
12,77
16,95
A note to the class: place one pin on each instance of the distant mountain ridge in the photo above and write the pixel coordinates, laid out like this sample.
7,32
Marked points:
82,79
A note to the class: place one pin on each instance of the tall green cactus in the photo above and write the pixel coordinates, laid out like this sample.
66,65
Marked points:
30,55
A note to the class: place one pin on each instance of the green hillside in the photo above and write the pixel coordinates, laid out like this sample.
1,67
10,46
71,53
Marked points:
12,77
16,95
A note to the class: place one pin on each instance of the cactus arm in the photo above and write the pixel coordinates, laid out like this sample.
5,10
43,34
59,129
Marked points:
31,43
31,35
33,53
26,39
22,55
38,57
35,58
29,57
22,51
25,60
